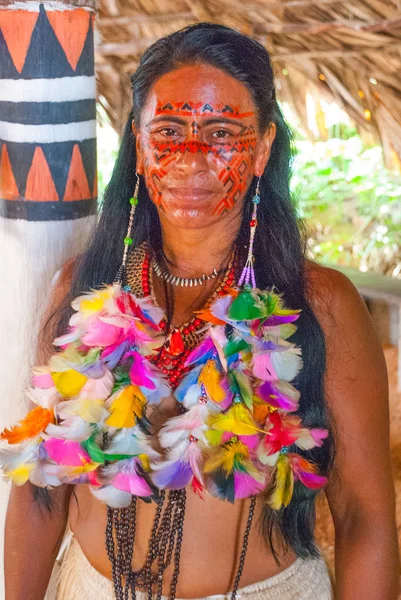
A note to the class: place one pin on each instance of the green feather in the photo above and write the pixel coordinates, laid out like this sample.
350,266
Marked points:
97,455
246,307
235,346
121,378
269,302
245,389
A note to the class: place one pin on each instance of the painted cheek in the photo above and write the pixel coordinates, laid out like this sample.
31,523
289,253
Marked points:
161,159
234,163
236,171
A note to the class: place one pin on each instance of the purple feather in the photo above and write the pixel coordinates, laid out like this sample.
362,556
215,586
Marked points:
202,353
174,476
94,371
311,480
113,354
272,395
280,320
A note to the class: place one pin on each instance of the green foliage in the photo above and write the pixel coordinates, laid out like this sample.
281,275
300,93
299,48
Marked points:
351,204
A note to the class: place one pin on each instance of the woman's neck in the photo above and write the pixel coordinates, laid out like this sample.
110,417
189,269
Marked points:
192,252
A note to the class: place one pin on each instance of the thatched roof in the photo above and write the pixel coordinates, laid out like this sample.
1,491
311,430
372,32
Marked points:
349,50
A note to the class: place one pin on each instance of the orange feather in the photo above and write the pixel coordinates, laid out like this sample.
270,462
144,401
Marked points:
32,425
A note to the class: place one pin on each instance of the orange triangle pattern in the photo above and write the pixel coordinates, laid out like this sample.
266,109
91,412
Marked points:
8,186
39,184
77,187
71,28
17,27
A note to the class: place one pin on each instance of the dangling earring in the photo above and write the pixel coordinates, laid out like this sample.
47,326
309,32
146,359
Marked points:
247,278
120,276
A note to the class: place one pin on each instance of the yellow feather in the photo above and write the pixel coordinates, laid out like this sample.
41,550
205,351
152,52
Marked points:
284,484
213,437
20,475
237,420
126,408
145,462
91,410
211,378
69,383
224,456
94,302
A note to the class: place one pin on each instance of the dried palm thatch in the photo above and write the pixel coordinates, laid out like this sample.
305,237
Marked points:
346,50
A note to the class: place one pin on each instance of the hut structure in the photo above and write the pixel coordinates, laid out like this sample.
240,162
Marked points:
346,50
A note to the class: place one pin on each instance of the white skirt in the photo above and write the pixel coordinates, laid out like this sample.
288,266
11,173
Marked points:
305,579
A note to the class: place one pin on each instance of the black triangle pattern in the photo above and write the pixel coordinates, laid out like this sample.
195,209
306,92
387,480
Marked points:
20,156
88,151
58,156
8,70
45,57
86,62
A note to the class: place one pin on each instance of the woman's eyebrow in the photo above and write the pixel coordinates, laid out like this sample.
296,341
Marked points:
180,121
170,118
218,119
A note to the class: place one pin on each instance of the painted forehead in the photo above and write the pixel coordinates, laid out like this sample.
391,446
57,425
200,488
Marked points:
187,108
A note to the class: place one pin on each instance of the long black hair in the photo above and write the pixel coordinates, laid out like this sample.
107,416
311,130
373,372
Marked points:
279,243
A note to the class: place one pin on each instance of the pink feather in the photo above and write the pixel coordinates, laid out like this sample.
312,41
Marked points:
140,372
262,367
305,472
128,480
319,435
42,379
66,452
99,333
194,456
245,485
97,389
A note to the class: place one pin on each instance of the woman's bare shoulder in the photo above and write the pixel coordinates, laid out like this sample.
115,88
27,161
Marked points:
331,293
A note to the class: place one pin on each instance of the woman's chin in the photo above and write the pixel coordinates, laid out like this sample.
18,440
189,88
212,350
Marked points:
189,217
189,214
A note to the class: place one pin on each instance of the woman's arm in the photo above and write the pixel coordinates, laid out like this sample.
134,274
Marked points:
33,533
33,536
360,490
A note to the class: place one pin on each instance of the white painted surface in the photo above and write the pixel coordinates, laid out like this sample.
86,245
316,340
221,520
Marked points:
59,89
47,134
31,252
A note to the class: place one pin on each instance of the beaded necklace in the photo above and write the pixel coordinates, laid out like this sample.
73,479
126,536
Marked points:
181,340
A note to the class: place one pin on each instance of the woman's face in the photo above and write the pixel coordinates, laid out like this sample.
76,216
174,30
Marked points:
198,146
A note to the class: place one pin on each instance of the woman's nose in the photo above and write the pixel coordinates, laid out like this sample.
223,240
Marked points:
192,157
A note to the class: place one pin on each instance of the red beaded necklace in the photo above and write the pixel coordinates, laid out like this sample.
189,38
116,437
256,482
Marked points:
181,340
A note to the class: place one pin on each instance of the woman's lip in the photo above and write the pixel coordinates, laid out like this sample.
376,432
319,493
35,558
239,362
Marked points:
187,193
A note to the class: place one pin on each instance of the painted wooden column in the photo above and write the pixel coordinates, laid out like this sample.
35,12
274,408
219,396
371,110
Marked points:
47,168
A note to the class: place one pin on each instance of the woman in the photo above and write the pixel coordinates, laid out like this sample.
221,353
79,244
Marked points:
209,148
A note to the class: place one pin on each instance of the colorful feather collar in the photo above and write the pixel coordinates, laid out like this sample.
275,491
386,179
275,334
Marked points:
238,436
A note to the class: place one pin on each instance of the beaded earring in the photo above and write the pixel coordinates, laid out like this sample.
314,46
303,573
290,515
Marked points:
120,276
247,278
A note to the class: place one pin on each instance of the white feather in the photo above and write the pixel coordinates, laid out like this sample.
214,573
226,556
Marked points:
72,428
287,364
111,496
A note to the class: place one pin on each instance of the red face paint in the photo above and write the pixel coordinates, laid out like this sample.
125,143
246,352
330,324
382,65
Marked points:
198,156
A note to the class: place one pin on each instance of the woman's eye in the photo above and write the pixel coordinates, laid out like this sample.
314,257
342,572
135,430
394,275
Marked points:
167,132
221,134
